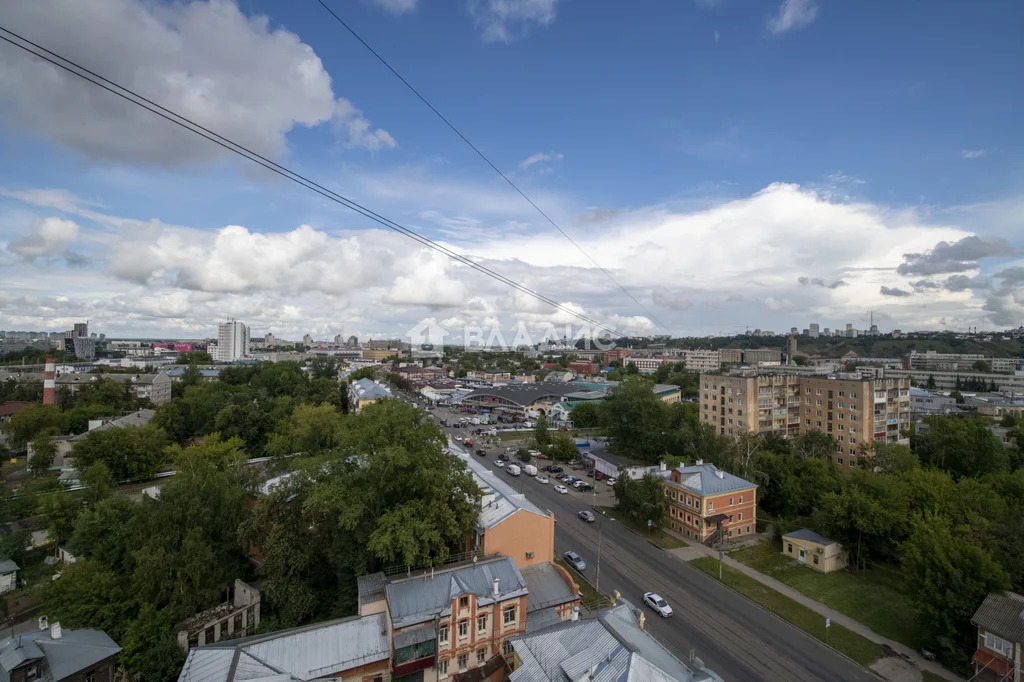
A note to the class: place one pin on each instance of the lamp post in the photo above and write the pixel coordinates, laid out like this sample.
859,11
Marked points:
600,530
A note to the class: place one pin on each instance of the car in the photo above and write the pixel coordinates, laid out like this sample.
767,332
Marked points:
610,482
559,476
561,489
481,452
541,479
575,560
578,484
586,488
555,469
500,463
658,604
570,479
587,516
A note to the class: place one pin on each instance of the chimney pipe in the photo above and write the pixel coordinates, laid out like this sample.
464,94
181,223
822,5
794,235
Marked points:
49,383
497,587
55,631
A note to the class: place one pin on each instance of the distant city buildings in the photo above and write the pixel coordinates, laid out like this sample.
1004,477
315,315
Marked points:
232,342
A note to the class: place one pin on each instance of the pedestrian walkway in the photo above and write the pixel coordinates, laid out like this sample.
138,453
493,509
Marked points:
884,667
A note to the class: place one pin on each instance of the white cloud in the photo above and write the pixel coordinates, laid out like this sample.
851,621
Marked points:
505,21
206,60
540,157
973,153
50,237
792,15
395,7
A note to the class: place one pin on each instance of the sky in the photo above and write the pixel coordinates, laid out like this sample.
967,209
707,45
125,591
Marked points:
729,164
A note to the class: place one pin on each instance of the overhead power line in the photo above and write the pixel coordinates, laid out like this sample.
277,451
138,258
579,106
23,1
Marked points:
128,95
486,160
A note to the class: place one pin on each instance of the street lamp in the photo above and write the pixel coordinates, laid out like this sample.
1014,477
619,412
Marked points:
600,530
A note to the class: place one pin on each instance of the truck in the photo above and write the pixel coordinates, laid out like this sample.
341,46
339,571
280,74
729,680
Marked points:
530,470
475,421
514,470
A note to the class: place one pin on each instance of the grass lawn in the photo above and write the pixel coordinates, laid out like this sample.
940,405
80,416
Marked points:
659,537
850,643
590,595
878,599
931,677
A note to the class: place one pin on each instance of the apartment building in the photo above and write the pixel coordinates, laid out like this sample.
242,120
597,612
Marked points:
648,365
708,504
232,341
379,354
958,362
857,412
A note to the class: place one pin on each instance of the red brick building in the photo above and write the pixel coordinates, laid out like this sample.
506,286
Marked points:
708,504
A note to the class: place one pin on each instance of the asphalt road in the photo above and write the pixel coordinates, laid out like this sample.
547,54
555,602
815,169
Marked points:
732,636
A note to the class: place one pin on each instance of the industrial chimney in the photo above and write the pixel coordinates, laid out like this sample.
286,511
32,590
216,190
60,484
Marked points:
49,384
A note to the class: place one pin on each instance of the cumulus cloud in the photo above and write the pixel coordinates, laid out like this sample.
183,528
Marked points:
504,21
540,158
184,56
973,153
792,15
819,282
395,7
49,237
959,256
894,291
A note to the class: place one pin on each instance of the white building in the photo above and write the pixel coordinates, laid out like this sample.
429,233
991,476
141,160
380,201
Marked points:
232,341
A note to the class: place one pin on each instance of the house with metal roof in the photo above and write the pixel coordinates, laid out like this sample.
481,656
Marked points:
611,647
814,551
1000,649
358,647
508,523
709,504
8,575
54,654
363,392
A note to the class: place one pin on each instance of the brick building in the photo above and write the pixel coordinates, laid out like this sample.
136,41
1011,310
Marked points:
708,504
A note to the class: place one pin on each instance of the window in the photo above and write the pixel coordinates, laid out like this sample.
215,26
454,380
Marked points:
730,501
442,634
463,661
463,629
711,506
442,667
789,547
481,623
997,644
506,647
739,517
730,518
741,499
509,614
32,673
463,602
90,676
481,656
815,559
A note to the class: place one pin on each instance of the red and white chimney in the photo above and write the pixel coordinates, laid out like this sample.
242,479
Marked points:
49,382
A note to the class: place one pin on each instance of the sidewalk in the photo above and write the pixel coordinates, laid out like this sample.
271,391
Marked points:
883,666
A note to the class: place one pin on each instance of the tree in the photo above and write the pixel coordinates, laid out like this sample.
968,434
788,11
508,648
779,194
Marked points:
643,500
563,448
24,426
541,434
100,481
931,383
981,366
311,430
196,357
149,650
586,415
130,452
107,533
964,447
949,574
89,595
44,449
891,459
636,420
524,455
62,510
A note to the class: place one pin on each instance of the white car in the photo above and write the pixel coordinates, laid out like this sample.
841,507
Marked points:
561,489
541,479
658,604
610,481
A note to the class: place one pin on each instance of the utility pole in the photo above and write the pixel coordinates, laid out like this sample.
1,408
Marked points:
600,529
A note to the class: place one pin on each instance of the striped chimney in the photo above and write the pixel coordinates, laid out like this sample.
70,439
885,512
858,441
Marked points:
49,384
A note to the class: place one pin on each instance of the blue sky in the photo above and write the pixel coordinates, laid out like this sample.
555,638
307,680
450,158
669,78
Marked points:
720,158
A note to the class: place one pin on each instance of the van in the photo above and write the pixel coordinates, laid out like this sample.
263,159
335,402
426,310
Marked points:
514,470
530,470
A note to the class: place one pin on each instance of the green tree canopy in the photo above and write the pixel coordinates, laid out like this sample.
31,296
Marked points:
636,421
129,452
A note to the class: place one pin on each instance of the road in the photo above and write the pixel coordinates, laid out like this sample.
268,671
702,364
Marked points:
734,637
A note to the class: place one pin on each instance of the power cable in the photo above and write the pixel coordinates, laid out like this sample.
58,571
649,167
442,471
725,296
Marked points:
241,150
487,160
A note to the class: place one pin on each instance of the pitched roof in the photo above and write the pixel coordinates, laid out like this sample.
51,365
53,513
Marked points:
547,587
809,536
422,598
75,650
305,653
707,479
367,389
12,407
1002,614
609,648
499,500
8,566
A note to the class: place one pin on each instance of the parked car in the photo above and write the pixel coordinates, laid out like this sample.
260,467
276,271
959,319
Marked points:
610,482
500,463
481,452
575,560
542,479
577,483
658,604
586,488
598,475
559,476
561,489
587,516
554,469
